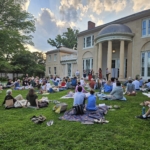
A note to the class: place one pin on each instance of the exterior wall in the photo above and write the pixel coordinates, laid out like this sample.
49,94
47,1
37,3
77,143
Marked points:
52,64
82,51
61,67
137,44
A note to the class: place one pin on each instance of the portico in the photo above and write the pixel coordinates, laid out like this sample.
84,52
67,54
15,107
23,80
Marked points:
114,38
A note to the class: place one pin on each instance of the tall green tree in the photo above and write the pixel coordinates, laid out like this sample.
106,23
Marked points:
16,26
28,62
67,39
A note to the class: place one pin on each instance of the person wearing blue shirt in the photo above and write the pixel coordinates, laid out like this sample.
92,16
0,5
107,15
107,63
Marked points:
91,105
108,86
141,82
148,84
74,82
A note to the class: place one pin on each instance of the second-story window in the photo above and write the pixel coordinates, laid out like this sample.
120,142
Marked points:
49,57
88,41
146,28
55,57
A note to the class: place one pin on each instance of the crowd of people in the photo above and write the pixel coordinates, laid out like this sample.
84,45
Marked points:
80,86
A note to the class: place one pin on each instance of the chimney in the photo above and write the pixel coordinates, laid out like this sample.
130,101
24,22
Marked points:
91,25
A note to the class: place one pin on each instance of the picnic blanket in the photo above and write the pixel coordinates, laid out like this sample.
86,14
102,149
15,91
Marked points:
146,94
87,116
103,97
72,96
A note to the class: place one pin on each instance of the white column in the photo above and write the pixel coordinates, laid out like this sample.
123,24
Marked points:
100,56
91,63
121,70
109,57
84,61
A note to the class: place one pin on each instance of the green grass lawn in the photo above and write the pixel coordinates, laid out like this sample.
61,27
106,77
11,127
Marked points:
123,132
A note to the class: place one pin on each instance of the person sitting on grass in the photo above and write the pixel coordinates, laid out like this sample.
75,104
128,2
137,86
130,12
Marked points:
108,86
117,92
74,82
79,97
131,88
82,82
9,83
9,96
33,99
92,83
62,84
83,90
17,85
137,84
145,116
68,84
91,102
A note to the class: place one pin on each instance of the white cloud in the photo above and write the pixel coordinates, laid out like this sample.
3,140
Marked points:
48,26
26,5
139,5
32,48
99,22
94,19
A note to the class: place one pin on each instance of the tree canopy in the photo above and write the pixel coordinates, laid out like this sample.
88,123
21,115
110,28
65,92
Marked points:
15,28
67,39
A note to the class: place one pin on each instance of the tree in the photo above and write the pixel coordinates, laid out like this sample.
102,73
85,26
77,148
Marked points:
15,28
67,39
27,62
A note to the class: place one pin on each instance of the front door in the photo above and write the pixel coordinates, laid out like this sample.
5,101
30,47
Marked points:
69,70
115,68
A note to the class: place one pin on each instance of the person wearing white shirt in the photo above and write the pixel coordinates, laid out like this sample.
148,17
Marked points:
136,84
77,73
48,86
82,82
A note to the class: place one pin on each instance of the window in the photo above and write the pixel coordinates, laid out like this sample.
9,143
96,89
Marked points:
148,64
146,28
55,70
49,69
84,43
88,41
55,57
92,40
87,64
143,62
49,57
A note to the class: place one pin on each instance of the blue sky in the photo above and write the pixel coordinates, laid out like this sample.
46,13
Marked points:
54,16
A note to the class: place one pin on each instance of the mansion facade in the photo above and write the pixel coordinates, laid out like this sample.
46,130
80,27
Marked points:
122,46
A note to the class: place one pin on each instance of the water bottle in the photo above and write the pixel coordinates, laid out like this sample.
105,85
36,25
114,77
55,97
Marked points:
143,110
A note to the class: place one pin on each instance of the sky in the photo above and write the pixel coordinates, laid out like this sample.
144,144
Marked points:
53,17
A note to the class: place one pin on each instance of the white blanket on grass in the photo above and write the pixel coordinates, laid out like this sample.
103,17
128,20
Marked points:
146,94
68,96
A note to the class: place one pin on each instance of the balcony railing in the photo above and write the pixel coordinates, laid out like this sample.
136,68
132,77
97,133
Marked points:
68,57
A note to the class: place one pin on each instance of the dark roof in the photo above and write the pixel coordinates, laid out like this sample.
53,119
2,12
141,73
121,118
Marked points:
115,28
